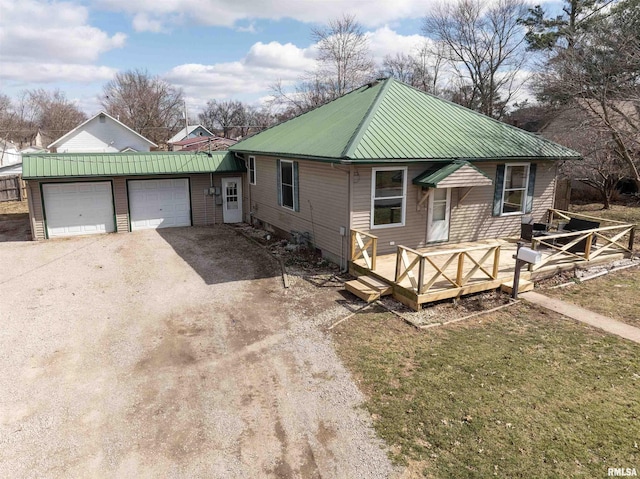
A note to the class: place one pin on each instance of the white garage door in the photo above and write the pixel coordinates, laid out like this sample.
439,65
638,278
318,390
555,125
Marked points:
159,203
78,208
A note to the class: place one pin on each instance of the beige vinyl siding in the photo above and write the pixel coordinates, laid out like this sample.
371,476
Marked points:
323,193
201,203
465,176
471,220
36,215
121,203
413,233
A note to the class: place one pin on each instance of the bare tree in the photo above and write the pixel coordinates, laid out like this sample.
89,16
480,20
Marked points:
344,59
343,63
222,116
601,75
485,47
49,112
145,103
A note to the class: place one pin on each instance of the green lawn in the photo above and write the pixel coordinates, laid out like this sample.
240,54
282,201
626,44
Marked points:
614,295
521,393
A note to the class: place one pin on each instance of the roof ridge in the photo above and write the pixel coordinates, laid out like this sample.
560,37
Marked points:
366,119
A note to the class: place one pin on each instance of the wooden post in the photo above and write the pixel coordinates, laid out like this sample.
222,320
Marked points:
587,247
496,262
460,272
550,217
421,275
19,187
398,263
632,234
353,245
374,253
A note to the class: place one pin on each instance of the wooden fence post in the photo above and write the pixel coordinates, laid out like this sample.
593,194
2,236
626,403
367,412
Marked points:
460,269
632,235
374,253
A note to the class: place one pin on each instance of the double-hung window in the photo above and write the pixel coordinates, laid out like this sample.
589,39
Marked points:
388,196
288,184
514,188
252,170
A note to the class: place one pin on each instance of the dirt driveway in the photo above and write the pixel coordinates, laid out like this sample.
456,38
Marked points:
172,353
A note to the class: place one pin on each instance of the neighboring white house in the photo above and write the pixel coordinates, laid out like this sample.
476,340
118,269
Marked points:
191,131
101,134
9,153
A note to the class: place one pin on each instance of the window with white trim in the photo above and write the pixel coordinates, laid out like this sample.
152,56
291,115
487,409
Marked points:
252,170
287,183
514,189
388,196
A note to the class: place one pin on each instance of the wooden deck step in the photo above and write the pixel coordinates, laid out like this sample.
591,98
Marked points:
362,290
523,286
385,289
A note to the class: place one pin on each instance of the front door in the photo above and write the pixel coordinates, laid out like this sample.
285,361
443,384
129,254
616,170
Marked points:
232,200
439,215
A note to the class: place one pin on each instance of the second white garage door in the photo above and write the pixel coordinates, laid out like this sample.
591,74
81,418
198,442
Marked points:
159,203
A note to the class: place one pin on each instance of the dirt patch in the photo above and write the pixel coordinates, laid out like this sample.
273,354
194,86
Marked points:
14,221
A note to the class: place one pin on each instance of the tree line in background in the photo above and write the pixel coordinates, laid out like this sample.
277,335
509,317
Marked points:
475,53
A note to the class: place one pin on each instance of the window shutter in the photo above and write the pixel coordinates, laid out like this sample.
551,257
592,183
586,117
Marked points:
528,205
279,182
296,187
497,192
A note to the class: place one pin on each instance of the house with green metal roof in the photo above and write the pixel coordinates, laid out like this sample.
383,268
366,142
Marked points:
89,193
403,165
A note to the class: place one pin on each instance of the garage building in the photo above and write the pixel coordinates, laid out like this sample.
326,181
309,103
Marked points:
93,193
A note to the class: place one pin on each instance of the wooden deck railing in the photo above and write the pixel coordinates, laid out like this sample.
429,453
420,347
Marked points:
609,236
424,269
360,244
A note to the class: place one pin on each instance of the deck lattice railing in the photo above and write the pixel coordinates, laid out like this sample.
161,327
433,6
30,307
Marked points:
424,269
578,245
364,245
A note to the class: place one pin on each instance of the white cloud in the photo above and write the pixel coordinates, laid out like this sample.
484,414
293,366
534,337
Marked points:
41,38
224,13
250,78
54,72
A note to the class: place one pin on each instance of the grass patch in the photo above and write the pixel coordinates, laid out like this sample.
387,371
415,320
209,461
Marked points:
520,393
10,210
627,213
614,295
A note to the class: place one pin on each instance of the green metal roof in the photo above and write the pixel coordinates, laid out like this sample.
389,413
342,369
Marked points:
391,121
64,165
434,175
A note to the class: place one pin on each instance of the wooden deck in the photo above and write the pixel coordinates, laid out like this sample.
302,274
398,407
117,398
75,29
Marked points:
419,276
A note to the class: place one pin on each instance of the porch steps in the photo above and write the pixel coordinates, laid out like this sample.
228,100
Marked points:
524,285
368,288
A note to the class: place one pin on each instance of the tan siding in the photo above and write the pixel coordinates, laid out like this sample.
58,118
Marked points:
201,203
36,214
121,204
470,221
465,223
414,232
464,177
323,202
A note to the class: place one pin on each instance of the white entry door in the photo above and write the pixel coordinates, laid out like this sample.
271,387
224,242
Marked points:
439,215
159,203
232,200
78,208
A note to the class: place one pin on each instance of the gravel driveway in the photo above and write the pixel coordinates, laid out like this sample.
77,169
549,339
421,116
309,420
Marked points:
172,353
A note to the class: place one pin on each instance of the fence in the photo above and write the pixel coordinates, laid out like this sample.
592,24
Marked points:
361,242
12,188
